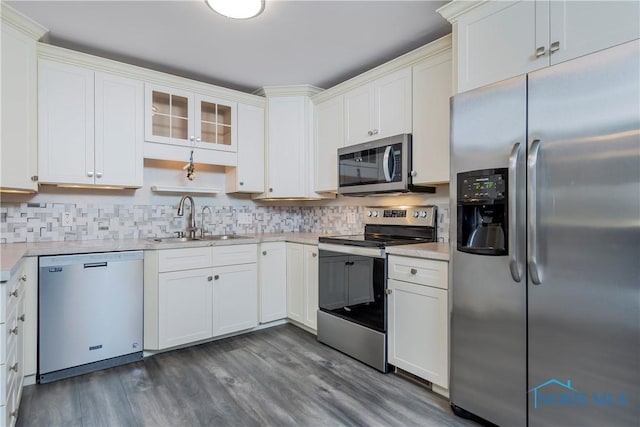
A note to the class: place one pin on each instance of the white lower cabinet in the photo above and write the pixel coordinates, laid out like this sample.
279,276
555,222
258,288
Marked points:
185,307
272,263
235,298
302,284
418,325
193,294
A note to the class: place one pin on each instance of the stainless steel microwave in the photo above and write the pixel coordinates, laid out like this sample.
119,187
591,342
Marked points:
377,167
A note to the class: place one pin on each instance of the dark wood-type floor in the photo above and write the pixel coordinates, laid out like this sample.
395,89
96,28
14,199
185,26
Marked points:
279,376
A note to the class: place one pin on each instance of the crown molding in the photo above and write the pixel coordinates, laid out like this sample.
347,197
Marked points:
59,54
451,11
22,23
435,49
289,90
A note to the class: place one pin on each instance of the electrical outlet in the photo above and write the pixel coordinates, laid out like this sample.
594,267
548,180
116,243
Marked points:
66,219
351,218
245,218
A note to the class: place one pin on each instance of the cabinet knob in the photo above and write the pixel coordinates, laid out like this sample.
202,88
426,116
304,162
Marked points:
370,133
241,183
210,278
21,318
270,190
388,291
413,173
555,46
375,131
14,293
414,271
264,252
98,174
192,138
216,277
14,413
541,51
14,367
23,278
198,139
90,174
313,254
14,331
34,178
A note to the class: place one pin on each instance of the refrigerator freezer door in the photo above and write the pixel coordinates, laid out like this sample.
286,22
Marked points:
488,335
584,315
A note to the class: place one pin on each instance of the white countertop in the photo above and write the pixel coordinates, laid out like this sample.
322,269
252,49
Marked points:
12,253
437,251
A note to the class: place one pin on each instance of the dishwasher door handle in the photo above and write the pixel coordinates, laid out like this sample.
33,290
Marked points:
95,264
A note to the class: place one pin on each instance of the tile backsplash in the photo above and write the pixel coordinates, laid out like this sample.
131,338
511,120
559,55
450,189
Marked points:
39,222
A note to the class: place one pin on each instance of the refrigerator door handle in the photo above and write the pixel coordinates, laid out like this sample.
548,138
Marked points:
515,261
532,232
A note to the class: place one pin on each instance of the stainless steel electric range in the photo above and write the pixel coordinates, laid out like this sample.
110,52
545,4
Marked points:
352,315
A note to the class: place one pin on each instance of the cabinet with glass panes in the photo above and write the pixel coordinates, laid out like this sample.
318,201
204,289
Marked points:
174,116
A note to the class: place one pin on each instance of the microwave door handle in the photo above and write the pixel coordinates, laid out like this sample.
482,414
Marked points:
385,163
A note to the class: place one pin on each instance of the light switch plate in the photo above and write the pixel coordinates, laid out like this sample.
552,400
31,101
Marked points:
66,219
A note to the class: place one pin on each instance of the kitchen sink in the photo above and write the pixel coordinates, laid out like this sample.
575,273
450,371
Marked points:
174,239
225,237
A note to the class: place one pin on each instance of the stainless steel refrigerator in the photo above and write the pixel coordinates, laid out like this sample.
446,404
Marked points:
545,182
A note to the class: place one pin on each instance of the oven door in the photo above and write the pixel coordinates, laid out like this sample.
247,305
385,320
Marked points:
352,284
375,167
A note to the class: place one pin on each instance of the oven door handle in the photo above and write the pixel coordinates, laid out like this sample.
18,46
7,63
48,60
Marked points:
352,250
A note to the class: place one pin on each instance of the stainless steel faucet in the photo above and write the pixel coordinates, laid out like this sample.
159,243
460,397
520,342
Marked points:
202,227
192,218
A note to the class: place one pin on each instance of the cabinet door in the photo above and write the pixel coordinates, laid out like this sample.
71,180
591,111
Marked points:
582,27
65,124
119,133
498,40
216,123
431,93
169,115
392,104
19,144
287,169
248,176
235,298
418,330
360,279
311,286
295,282
272,262
329,136
358,115
185,307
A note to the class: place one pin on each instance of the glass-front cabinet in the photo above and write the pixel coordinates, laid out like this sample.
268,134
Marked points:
179,117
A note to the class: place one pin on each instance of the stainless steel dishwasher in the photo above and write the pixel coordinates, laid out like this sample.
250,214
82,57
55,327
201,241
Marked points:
90,313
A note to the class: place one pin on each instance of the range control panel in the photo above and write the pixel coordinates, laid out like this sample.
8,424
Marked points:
404,215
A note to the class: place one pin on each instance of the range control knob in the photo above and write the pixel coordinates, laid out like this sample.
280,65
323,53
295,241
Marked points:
369,213
375,214
416,214
423,214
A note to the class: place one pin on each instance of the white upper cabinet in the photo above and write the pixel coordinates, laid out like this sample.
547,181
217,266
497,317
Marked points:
379,109
431,93
180,117
19,144
499,39
329,136
248,175
119,130
90,127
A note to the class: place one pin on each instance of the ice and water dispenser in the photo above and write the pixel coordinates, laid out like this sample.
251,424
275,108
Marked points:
482,212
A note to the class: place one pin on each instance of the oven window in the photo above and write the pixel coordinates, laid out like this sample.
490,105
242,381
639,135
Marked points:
373,166
352,287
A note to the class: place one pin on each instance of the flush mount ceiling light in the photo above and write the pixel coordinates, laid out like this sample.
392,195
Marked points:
237,9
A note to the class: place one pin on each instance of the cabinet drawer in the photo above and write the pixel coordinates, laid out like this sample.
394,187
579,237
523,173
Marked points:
235,254
184,259
419,271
